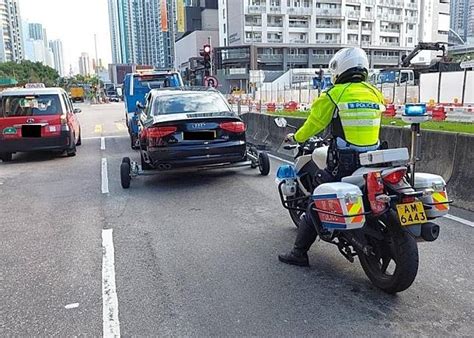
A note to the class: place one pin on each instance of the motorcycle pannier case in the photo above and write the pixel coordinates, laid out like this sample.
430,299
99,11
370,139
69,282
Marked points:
436,204
339,206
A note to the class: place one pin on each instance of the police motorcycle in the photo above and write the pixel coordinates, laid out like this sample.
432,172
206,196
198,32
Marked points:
379,213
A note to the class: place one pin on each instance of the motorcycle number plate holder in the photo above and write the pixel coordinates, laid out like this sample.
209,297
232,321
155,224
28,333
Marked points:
411,213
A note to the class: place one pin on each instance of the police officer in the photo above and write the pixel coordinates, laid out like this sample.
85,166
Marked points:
352,108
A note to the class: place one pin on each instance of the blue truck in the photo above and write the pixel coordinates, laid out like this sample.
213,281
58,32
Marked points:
136,86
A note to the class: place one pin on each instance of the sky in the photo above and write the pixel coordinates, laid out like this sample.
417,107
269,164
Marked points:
74,22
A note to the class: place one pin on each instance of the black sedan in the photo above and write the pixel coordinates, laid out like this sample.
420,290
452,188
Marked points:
188,128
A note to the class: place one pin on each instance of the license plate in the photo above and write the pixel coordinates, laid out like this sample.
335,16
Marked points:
411,213
199,136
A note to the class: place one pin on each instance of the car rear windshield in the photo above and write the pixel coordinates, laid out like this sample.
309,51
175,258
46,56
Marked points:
30,105
159,81
204,102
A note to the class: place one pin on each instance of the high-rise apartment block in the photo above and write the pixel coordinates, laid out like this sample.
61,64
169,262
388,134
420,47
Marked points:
85,65
11,40
56,46
143,31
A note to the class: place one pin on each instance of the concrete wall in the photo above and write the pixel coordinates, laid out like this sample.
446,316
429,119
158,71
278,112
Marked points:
447,154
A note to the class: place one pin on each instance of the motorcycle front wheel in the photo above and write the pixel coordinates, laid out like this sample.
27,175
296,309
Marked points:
393,264
297,215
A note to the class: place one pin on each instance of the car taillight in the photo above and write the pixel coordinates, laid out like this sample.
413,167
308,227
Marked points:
159,132
233,127
394,177
63,120
375,188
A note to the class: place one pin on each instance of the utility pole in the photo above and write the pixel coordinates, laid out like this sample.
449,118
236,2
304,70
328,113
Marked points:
209,40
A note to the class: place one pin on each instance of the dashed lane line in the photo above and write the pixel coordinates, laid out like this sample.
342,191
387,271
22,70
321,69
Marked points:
105,178
102,143
110,318
451,217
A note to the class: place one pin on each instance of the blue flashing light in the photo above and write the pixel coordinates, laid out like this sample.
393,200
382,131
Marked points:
286,171
415,109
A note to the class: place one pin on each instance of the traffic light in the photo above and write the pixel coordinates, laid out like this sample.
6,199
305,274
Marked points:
206,55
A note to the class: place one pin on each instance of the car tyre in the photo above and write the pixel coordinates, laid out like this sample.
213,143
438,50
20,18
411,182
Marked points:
6,157
127,160
264,163
71,152
79,140
125,177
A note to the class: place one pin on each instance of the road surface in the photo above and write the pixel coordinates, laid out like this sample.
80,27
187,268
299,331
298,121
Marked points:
195,255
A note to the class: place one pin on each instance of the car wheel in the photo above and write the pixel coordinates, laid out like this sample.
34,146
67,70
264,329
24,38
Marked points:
125,177
71,152
6,157
263,163
79,140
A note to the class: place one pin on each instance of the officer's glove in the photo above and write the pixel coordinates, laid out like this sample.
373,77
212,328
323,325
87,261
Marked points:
290,138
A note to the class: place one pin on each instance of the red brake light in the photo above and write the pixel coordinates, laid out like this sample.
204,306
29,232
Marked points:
233,127
159,132
395,176
374,188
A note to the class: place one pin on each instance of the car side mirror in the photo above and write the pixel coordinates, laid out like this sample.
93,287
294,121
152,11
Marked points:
77,110
140,105
281,122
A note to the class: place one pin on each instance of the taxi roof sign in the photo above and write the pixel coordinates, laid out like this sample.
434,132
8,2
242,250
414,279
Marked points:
34,85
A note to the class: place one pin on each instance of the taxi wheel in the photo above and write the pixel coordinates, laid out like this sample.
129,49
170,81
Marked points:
6,157
79,140
71,152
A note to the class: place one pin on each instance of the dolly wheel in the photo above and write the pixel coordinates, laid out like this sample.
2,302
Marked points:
125,177
264,163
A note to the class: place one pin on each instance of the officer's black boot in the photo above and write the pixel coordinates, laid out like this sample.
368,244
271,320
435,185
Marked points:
304,239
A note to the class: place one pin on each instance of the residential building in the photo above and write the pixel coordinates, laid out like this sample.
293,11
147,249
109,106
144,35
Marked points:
120,25
36,44
56,47
462,18
434,27
277,35
84,65
11,39
143,31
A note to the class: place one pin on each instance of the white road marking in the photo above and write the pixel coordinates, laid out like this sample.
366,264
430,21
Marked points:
279,159
72,306
100,137
105,177
102,143
451,217
111,324
460,220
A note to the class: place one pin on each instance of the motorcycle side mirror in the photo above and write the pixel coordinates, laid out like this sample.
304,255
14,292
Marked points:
281,122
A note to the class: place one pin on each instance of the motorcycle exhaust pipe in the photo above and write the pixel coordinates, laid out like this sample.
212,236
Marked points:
429,232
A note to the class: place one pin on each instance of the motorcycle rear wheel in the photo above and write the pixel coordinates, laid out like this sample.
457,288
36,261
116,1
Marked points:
393,266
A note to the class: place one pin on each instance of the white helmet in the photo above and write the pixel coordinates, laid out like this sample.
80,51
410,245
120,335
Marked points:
346,59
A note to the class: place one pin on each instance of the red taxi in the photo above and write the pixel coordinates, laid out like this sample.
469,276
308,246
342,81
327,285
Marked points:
37,119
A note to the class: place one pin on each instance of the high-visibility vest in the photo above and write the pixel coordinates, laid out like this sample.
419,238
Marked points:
357,114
